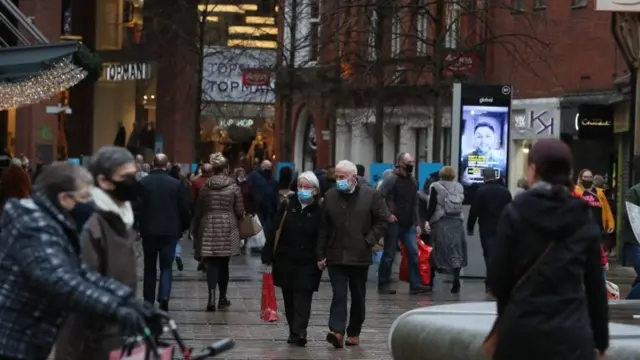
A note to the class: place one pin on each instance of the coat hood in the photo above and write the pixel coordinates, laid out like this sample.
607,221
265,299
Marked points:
550,212
218,182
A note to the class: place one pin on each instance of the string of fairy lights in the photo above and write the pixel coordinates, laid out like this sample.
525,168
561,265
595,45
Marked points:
60,76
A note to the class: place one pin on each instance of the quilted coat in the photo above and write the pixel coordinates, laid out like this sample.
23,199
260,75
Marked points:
215,222
43,279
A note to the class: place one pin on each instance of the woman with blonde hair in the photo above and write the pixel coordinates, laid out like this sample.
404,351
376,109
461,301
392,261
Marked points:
215,228
444,216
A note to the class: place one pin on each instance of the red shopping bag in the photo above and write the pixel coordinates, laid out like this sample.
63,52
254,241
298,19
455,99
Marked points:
268,304
140,353
424,264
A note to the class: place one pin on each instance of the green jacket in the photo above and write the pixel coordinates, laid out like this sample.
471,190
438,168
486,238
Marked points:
626,233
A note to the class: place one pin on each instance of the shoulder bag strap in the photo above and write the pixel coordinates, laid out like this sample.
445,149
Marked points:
279,229
536,264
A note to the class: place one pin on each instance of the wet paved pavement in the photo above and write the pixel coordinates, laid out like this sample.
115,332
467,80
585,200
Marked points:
256,339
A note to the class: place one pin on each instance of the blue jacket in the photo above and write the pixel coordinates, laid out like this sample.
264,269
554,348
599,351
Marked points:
265,193
43,279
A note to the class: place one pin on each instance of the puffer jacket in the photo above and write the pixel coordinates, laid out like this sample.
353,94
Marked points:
44,279
215,222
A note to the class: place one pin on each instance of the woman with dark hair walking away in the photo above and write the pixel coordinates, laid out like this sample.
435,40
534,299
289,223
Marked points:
545,270
14,183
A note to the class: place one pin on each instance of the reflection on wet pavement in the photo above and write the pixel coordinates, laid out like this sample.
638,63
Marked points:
256,339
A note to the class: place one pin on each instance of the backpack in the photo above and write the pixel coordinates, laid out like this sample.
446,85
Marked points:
452,200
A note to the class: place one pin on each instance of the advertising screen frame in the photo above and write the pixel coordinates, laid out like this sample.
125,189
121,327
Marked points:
484,97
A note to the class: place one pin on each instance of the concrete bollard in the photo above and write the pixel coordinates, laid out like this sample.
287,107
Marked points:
456,332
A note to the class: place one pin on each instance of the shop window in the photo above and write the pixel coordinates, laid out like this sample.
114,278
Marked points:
119,24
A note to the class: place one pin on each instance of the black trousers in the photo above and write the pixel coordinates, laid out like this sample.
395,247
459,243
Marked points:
353,279
217,270
297,309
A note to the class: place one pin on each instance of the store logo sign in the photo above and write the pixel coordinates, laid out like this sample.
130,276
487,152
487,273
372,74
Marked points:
534,124
125,71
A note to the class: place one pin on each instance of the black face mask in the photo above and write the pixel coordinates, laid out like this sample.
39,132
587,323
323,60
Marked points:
408,169
125,190
587,184
266,172
81,213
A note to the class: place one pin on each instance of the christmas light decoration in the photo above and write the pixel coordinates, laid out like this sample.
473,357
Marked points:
60,76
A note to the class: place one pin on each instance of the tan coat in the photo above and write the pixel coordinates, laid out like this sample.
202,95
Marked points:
109,247
215,222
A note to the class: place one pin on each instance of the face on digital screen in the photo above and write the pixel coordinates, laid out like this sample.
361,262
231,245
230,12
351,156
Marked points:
483,142
484,136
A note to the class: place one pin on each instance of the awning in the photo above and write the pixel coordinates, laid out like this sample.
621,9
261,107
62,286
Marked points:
597,98
33,73
17,62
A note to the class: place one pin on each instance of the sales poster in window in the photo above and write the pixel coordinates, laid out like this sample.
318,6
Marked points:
484,134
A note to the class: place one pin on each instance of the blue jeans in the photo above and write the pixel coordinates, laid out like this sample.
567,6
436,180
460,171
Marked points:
407,235
178,251
631,252
156,249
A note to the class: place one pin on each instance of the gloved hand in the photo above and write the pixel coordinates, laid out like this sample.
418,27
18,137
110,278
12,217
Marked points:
154,317
131,321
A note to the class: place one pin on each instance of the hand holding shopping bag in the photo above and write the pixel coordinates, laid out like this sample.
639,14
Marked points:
268,304
424,263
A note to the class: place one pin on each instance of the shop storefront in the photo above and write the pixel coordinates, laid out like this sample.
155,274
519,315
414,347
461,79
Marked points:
237,118
243,132
531,120
124,96
587,127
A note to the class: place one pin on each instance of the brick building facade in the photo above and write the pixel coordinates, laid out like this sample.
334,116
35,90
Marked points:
559,54
574,52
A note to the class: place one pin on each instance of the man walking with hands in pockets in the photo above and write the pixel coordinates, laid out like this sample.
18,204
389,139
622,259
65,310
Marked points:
353,220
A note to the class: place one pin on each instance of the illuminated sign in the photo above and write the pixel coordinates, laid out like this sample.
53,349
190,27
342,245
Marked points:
125,71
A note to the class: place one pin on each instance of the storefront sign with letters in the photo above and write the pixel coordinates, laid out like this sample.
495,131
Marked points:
125,71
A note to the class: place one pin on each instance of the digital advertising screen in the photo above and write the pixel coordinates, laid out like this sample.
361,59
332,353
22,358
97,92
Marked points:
484,134
484,138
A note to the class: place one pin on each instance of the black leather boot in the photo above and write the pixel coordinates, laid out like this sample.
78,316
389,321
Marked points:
211,302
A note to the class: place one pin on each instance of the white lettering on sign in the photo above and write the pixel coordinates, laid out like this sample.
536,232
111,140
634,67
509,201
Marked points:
222,75
486,100
245,123
126,71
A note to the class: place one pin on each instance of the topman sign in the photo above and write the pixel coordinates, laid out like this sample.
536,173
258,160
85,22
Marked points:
125,71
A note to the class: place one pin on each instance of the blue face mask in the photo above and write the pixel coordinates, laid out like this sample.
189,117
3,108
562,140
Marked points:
342,185
305,195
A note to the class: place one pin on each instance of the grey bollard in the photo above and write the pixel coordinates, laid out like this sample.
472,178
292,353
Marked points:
456,332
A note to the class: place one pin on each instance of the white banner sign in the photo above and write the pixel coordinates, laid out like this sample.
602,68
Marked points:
222,75
618,5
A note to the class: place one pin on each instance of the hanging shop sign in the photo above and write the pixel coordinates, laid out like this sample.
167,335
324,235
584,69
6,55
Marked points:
125,71
232,75
457,63
256,77
621,118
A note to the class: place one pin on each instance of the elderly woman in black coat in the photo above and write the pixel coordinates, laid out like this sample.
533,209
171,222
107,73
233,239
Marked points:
291,251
